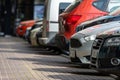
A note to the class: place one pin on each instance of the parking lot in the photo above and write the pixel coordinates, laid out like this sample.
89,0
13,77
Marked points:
20,61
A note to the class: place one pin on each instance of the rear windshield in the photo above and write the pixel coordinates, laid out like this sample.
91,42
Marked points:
73,6
101,4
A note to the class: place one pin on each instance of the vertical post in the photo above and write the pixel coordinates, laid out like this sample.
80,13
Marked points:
2,19
7,13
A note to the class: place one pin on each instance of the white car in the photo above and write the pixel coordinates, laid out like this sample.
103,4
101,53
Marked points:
81,42
28,30
33,37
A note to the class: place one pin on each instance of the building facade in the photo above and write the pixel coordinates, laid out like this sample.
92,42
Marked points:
12,11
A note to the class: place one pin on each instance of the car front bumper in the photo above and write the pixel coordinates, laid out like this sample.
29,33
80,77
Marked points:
82,52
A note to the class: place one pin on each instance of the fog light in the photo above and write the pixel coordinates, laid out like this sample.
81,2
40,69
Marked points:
115,61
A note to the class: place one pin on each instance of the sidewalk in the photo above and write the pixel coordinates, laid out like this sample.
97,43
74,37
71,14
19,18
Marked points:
20,61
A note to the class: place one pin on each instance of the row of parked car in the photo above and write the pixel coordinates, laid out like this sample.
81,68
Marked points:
88,31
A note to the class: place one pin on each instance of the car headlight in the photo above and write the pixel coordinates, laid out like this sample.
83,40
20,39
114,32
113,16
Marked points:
115,41
89,38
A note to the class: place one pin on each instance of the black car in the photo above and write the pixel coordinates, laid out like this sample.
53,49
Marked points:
105,54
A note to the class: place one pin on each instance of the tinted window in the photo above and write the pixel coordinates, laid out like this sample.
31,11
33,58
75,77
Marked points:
101,4
72,6
114,8
63,6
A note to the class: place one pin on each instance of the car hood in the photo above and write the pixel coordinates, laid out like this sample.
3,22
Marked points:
96,19
115,30
94,30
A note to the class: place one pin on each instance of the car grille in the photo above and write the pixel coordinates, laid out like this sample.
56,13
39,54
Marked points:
74,43
93,62
97,43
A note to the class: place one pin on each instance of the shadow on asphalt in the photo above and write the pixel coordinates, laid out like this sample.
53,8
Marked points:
64,67
78,72
59,65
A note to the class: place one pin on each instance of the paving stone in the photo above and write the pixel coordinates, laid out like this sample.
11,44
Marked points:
20,61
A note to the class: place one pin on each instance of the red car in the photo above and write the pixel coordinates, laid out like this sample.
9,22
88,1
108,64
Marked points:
21,29
76,13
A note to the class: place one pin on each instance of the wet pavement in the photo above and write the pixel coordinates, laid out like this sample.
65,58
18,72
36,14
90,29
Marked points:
20,61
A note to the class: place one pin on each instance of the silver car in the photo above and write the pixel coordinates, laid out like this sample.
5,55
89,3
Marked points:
81,42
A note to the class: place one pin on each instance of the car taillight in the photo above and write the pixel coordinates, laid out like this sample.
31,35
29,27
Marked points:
72,19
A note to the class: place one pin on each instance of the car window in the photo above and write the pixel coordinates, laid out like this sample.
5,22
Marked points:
115,12
113,4
63,6
114,8
72,6
101,4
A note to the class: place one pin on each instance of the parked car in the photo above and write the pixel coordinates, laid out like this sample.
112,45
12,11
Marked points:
28,30
105,53
81,42
33,36
21,29
79,12
50,23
